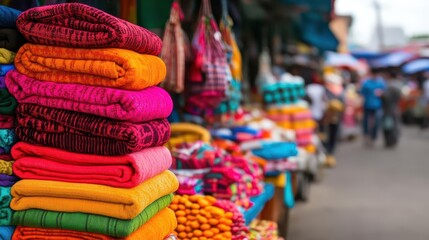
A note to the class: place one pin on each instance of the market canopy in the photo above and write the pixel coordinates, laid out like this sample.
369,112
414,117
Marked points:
394,59
416,66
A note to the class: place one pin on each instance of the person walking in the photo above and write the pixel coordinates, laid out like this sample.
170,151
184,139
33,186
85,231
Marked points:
334,94
371,91
391,113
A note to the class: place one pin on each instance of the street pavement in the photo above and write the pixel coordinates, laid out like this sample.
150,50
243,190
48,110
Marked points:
372,194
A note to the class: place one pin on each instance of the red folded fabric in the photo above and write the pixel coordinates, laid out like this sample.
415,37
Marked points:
7,121
82,26
126,171
6,157
84,133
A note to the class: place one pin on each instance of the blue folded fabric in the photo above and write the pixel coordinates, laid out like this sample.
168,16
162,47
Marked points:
6,232
8,17
259,203
4,68
276,150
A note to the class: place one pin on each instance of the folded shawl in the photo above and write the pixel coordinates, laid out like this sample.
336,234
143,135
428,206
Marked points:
84,133
11,39
81,26
7,121
89,222
6,167
7,103
157,228
7,180
5,211
7,139
133,106
6,56
6,157
108,67
6,232
122,203
2,82
4,68
8,17
45,163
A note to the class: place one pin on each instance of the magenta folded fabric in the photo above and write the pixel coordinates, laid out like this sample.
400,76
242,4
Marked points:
125,171
132,106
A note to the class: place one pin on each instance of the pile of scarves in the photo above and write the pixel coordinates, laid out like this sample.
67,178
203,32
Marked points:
287,91
92,125
299,119
10,41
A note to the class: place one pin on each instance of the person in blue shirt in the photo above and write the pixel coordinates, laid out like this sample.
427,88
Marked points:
372,91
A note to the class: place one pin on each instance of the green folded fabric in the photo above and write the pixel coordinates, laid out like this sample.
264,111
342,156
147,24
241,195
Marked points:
7,103
89,222
5,212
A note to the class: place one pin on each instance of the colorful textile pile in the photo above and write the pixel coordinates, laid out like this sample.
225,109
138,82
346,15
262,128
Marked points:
263,230
92,126
284,92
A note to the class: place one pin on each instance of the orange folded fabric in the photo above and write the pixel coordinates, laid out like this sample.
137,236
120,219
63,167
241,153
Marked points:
107,67
157,228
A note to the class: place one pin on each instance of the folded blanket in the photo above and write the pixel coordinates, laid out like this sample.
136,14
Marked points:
45,163
123,203
157,228
6,157
8,180
132,106
2,82
5,211
7,103
96,223
4,68
54,234
6,56
81,26
7,121
7,139
6,232
8,17
109,67
84,133
11,39
6,167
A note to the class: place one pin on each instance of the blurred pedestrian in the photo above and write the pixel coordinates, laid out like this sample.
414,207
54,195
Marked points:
391,114
371,91
334,94
316,96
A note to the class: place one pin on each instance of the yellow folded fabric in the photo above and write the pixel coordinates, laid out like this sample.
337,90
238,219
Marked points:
6,56
6,167
122,203
157,228
107,67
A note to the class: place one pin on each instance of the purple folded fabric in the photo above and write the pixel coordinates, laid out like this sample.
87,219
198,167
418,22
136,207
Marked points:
7,180
2,83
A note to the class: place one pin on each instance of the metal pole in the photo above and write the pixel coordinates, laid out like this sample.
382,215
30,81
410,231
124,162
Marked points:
380,34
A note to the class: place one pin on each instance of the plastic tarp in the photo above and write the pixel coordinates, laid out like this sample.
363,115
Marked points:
415,66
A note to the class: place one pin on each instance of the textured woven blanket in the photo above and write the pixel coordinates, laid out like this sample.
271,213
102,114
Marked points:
2,82
6,232
6,56
84,133
132,106
4,68
8,17
122,203
157,228
8,180
81,26
6,121
109,67
89,222
7,103
7,139
46,163
6,167
11,39
5,211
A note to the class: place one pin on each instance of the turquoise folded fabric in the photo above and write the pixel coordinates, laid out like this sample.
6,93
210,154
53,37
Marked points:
6,232
5,212
276,150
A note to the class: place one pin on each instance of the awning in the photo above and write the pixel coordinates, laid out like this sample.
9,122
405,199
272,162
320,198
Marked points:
415,66
394,59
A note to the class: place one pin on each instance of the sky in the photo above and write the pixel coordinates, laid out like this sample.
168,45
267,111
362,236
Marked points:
411,15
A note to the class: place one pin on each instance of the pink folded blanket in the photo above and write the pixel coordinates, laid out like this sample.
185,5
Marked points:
126,171
126,105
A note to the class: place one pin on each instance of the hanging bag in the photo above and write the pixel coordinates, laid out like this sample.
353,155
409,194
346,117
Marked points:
173,52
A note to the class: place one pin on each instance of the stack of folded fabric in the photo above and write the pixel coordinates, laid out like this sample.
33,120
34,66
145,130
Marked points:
93,125
10,41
